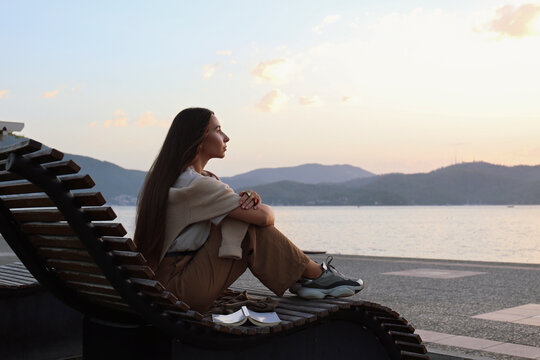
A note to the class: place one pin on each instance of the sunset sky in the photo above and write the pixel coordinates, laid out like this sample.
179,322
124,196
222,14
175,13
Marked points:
389,86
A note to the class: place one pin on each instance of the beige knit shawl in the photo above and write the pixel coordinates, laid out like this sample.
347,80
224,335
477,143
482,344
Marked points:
203,199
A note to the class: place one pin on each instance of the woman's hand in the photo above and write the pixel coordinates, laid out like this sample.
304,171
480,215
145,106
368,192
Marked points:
250,199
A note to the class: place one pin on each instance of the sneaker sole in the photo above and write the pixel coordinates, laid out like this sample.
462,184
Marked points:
340,291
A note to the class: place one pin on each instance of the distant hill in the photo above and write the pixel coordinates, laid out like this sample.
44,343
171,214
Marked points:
119,186
467,183
306,174
293,193
315,184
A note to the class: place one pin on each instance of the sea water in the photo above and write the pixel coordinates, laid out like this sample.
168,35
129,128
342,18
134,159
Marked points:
480,233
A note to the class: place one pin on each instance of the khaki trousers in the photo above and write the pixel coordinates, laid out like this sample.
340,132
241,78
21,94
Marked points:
201,278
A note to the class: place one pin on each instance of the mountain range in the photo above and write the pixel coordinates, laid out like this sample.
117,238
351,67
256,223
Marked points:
315,184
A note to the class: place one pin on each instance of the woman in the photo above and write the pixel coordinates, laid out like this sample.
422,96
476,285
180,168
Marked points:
199,236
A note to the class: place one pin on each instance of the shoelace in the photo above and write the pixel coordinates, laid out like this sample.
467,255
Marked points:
326,265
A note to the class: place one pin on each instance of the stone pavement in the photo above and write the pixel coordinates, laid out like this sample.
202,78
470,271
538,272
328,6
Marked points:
466,309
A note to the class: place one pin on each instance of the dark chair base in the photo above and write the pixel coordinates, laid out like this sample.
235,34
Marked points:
36,325
329,340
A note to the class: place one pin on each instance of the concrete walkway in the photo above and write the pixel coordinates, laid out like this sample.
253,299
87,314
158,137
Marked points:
473,310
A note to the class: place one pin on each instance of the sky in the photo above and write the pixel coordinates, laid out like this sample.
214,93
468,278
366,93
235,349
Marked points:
389,86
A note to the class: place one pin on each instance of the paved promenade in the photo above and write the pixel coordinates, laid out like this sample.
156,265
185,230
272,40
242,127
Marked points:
478,310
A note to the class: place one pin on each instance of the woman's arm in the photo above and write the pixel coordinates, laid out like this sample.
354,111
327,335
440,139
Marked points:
262,216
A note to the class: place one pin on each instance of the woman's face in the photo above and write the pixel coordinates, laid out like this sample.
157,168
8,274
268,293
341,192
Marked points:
215,144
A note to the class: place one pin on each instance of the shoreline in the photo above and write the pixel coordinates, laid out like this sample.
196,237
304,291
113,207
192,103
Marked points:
397,259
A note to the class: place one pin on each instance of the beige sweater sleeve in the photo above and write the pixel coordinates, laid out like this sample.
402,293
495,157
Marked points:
206,198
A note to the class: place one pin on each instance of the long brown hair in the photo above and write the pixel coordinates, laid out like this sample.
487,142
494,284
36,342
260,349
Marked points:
188,130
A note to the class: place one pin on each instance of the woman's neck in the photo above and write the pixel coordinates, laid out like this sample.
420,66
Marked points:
198,164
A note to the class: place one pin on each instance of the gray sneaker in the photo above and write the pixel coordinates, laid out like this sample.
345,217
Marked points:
330,283
297,285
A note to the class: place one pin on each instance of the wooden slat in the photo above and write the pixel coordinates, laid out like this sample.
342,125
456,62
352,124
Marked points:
396,327
412,338
97,296
167,300
177,306
411,347
378,309
44,228
190,314
45,156
283,325
109,291
23,201
140,271
9,282
81,266
9,176
307,304
72,182
342,303
295,320
76,182
64,254
319,312
65,167
103,213
389,320
15,271
45,215
164,297
19,187
309,317
148,285
41,156
164,303
128,257
69,242
84,277
10,275
119,243
23,147
56,168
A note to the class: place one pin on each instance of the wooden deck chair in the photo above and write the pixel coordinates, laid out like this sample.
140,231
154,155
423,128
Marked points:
62,232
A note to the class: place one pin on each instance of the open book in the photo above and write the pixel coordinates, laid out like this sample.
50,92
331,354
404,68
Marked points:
244,314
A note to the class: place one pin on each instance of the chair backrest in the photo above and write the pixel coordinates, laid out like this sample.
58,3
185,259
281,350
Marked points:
63,234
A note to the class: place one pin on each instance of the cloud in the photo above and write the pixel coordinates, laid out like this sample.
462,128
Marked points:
3,94
517,22
209,70
50,94
276,71
119,120
273,101
224,52
309,100
349,99
147,119
330,19
92,124
164,124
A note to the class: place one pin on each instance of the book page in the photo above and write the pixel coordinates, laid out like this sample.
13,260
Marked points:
235,318
265,318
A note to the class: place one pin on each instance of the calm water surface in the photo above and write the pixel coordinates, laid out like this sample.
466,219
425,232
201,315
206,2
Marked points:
482,233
